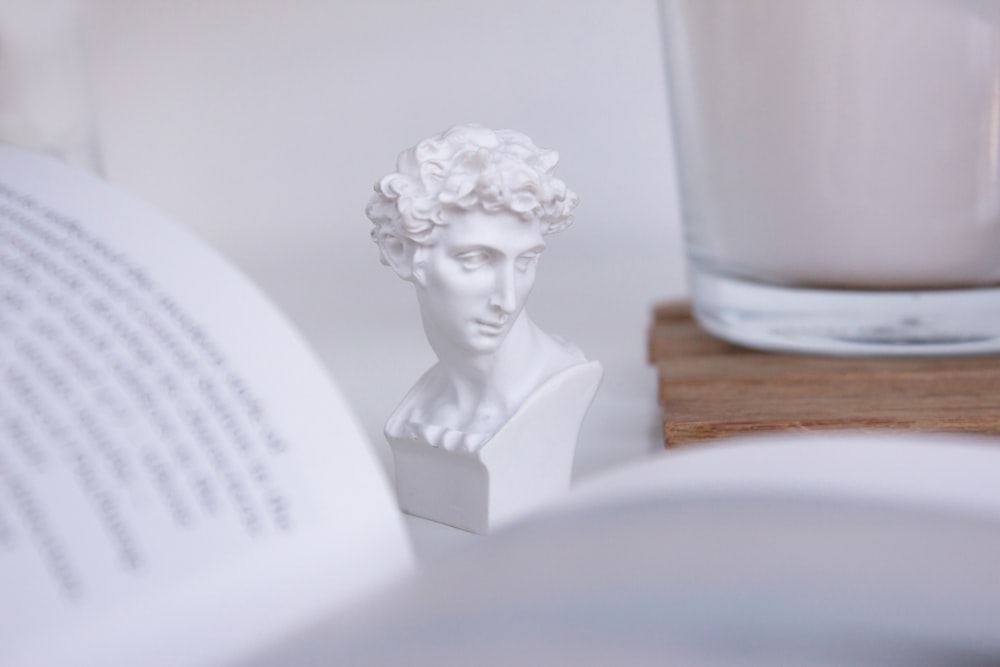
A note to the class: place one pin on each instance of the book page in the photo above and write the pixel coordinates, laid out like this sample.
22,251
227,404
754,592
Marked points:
180,483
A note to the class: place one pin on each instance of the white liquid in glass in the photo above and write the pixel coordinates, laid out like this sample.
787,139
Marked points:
839,143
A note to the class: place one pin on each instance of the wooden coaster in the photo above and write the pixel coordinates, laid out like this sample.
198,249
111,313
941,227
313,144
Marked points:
709,388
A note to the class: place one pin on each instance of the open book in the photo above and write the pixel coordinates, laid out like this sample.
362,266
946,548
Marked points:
181,485
175,468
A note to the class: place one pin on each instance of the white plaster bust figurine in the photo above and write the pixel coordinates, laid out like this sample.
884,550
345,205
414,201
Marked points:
465,218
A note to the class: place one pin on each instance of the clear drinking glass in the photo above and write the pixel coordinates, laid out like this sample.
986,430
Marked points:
839,165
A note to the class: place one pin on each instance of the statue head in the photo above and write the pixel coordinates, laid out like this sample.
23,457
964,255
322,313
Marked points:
464,218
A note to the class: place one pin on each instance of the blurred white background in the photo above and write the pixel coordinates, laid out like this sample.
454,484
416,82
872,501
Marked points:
263,125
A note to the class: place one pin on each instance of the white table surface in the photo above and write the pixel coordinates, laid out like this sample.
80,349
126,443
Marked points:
264,125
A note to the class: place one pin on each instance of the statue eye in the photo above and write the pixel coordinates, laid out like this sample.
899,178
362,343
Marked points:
526,261
473,259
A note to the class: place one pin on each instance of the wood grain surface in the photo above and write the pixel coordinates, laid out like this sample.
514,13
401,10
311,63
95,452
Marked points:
709,388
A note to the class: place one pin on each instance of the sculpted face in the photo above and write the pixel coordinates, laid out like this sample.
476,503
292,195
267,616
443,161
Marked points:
472,283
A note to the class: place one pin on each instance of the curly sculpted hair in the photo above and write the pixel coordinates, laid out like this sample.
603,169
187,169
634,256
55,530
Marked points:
465,168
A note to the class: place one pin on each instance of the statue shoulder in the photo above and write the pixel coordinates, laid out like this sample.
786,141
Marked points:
428,390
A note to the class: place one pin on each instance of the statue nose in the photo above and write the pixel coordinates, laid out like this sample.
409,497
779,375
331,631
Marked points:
504,296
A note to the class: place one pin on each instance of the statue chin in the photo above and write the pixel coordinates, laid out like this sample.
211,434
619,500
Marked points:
478,481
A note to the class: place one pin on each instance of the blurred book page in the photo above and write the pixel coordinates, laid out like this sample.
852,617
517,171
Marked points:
180,483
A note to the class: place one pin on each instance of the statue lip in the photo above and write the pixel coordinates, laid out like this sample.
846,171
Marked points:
494,326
